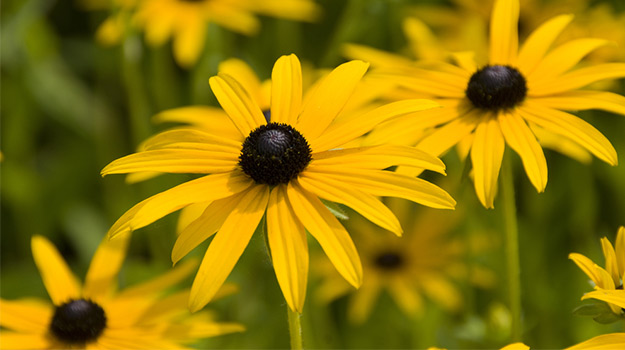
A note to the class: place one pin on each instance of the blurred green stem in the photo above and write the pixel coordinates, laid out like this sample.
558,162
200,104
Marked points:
512,246
295,328
138,101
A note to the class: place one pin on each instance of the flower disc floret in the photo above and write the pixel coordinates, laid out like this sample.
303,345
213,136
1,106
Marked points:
496,87
389,261
78,321
274,154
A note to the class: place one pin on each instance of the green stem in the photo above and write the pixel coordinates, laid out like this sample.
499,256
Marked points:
512,247
295,329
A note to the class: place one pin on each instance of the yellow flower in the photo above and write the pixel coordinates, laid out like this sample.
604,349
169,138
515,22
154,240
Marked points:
96,315
426,261
608,281
506,101
602,342
282,168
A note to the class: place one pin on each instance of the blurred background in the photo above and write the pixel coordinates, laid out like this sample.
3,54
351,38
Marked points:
70,105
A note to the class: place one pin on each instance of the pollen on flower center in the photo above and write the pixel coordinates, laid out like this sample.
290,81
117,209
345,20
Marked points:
496,87
78,321
274,153
389,261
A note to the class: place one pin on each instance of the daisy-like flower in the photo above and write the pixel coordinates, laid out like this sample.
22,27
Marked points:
97,315
608,281
426,261
518,96
280,169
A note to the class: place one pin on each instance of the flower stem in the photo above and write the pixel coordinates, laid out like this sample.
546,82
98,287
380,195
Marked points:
512,247
295,329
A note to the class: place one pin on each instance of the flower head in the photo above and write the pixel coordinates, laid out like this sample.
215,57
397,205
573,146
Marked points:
518,97
98,316
280,167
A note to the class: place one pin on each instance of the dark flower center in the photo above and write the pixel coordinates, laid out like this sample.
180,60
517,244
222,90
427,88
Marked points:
496,87
274,153
78,321
389,261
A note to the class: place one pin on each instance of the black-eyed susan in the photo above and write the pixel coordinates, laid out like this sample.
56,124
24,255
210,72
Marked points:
280,169
505,101
97,315
607,281
428,261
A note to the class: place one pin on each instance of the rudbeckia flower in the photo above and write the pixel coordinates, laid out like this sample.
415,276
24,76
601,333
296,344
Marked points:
519,95
608,281
281,167
98,316
426,262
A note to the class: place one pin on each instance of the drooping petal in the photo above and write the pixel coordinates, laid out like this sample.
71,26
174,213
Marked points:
586,265
522,140
25,316
61,284
602,342
186,161
504,36
611,265
620,251
486,156
576,79
25,341
227,246
349,129
207,188
235,100
583,100
537,44
189,40
328,98
104,267
286,90
289,248
203,227
367,205
328,231
572,127
613,296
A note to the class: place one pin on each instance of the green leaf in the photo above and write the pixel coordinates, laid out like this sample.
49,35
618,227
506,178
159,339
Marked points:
336,210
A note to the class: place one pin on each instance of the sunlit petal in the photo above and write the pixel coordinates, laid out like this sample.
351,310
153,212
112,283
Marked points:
504,37
61,284
486,156
235,100
286,90
537,44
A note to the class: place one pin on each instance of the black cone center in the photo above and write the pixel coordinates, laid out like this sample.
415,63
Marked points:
78,321
389,261
496,87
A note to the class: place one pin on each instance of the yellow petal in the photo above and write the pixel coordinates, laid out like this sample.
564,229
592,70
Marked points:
516,346
18,341
406,296
486,156
572,127
442,291
286,90
431,83
59,280
212,120
189,41
584,99
156,32
244,74
328,231
25,316
349,129
586,265
161,282
522,140
174,161
235,100
465,60
362,302
377,58
193,139
620,252
576,79
227,246
447,136
539,41
602,342
367,205
558,143
292,9
104,268
504,37
189,214
329,97
423,42
207,188
564,58
204,226
611,265
289,248
616,297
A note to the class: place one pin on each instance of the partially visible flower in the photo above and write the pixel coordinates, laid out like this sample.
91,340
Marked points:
280,167
97,315
503,102
607,281
426,262
610,341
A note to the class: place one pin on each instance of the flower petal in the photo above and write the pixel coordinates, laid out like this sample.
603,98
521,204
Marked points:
431,83
611,265
328,231
367,205
558,143
289,248
602,342
329,97
614,296
445,137
242,72
539,41
25,316
189,41
61,284
227,246
207,188
235,100
18,341
362,302
576,79
486,156
572,127
586,265
504,36
377,58
564,57
620,251
583,100
516,346
286,90
161,283
522,140
213,120
193,139
406,296
104,268
174,161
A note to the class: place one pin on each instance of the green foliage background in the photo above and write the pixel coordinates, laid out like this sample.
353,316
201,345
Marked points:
70,106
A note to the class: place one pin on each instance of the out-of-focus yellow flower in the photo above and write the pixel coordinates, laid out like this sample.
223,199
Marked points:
97,315
608,281
426,261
